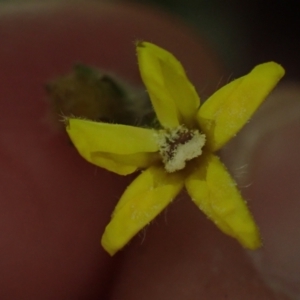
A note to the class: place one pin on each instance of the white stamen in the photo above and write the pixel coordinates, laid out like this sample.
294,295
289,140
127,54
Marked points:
178,146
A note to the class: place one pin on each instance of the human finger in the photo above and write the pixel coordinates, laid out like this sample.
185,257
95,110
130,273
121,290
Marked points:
54,204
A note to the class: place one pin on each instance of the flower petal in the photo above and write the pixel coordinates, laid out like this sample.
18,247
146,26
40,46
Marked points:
118,148
142,201
174,98
124,164
228,109
215,193
89,136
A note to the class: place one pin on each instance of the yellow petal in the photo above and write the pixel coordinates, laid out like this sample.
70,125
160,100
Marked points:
142,201
124,164
214,192
89,136
227,110
174,98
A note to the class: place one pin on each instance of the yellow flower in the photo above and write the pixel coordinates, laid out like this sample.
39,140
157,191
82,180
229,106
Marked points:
181,153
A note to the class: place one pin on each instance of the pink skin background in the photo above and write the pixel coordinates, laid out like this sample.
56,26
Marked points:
54,205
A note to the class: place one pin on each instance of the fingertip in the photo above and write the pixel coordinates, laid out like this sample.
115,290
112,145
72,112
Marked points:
54,204
265,160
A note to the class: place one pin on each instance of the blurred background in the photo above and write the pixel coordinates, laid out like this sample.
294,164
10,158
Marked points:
243,32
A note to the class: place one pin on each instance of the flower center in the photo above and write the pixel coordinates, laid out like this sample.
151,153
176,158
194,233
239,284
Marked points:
179,145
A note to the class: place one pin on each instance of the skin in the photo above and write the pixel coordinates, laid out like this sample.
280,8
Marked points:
54,205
